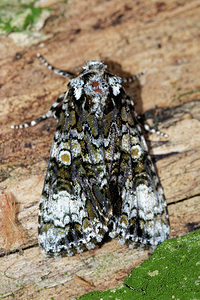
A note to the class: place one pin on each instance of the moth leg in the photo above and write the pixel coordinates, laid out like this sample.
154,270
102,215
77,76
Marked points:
55,70
154,130
53,112
147,128
132,78
139,117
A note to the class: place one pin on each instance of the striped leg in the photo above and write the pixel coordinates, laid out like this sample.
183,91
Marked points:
138,117
53,112
56,71
133,78
147,128
154,130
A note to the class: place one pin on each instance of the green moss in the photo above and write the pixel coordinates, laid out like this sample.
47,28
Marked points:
121,293
17,17
172,272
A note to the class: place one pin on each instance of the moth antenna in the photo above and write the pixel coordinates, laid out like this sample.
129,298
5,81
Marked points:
62,73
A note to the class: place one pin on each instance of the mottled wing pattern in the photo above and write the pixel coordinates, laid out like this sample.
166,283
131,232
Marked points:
143,216
100,179
75,204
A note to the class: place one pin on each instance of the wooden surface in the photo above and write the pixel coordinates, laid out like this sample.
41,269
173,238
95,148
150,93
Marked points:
161,38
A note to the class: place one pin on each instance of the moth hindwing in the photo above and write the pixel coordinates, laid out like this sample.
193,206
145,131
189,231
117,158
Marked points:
100,179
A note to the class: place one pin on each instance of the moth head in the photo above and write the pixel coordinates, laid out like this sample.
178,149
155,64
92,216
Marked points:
95,86
93,65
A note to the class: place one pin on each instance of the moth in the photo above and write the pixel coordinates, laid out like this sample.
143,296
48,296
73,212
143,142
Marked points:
100,180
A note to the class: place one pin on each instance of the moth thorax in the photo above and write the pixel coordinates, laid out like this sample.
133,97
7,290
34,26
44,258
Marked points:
96,90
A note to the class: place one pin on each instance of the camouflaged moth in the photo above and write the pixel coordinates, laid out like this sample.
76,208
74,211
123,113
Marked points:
100,179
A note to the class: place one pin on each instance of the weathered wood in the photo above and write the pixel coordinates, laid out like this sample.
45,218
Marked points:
161,38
